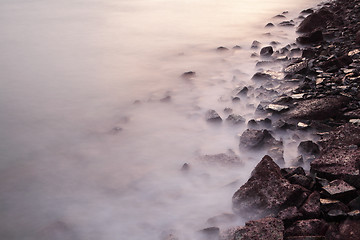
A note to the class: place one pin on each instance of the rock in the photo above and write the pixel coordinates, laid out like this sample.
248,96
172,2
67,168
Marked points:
311,227
228,110
266,192
338,163
188,75
316,20
211,233
355,204
227,159
287,23
311,208
338,189
334,64
235,119
308,148
355,215
213,116
255,44
357,37
289,215
279,16
261,76
254,139
222,49
342,137
288,172
326,205
304,181
269,25
265,229
237,47
318,109
311,38
307,11
336,215
225,218
243,91
277,107
277,154
185,167
350,229
266,51
297,67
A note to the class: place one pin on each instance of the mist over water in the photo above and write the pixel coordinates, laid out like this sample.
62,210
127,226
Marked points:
96,122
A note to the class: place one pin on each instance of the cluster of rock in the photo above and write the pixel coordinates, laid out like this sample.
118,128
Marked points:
323,203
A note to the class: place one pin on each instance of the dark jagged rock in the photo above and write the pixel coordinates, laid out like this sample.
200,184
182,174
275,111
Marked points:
326,205
235,119
334,64
350,229
338,163
290,215
355,204
243,91
342,137
254,139
308,148
266,192
311,208
304,181
316,20
318,109
311,38
289,172
311,227
265,229
266,51
358,37
261,76
296,67
255,44
213,116
338,189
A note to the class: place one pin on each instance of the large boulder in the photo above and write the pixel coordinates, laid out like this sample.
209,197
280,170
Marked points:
310,38
266,192
265,229
318,109
316,20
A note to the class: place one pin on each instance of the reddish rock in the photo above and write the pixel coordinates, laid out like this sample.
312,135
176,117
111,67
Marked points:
318,109
308,148
338,189
338,163
304,181
316,20
311,227
342,137
311,207
254,139
264,229
266,192
350,229
289,215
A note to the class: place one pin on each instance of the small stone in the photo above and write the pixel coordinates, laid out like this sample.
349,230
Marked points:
266,51
255,44
287,23
213,116
185,167
355,121
269,25
311,208
355,215
302,125
297,67
336,215
188,75
222,49
308,148
277,107
228,110
311,227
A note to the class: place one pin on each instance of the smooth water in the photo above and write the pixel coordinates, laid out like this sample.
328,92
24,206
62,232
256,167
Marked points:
96,122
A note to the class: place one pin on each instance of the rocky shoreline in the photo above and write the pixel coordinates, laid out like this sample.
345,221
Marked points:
292,203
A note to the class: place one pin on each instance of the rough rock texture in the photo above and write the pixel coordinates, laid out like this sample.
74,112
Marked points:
264,229
254,139
212,116
318,109
266,192
311,207
311,227
316,20
266,51
342,137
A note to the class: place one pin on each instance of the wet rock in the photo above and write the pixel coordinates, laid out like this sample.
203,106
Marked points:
235,99
237,47
213,116
335,215
235,119
311,227
287,23
225,218
318,109
326,205
316,20
266,192
266,51
311,208
254,139
228,159
342,137
222,49
266,229
308,148
338,189
188,75
338,163
211,233
255,44
297,67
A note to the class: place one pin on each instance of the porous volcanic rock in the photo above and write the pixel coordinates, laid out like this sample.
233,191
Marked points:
265,229
311,227
266,192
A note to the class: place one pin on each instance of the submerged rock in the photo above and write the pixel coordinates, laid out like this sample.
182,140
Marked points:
227,159
266,51
308,148
266,192
254,139
213,116
235,119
